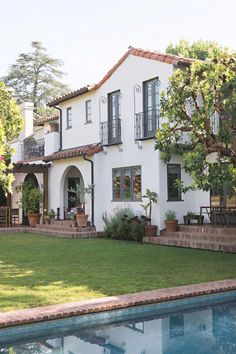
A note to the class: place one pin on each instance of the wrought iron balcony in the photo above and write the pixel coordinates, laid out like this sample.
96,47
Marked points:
32,148
145,124
111,132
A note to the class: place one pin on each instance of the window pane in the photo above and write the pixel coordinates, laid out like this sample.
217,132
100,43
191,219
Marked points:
127,183
116,184
173,175
137,182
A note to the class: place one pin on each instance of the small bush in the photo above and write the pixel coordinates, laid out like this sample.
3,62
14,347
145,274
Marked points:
123,225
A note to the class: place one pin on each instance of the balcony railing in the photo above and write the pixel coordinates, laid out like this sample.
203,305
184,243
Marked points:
110,132
145,124
32,149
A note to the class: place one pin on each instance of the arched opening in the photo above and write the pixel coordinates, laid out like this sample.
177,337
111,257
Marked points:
72,179
34,182
3,197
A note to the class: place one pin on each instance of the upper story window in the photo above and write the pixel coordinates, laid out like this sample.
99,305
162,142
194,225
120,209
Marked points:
114,105
88,111
68,118
147,122
173,173
126,183
111,129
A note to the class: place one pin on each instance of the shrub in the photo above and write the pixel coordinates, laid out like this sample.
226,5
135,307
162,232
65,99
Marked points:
123,225
170,215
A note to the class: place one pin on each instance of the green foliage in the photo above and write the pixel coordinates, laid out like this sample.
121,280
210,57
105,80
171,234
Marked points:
30,197
34,77
123,225
170,215
198,50
152,198
11,124
79,192
197,97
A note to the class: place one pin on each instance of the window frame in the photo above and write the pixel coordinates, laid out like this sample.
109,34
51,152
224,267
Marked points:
169,198
122,190
88,111
68,118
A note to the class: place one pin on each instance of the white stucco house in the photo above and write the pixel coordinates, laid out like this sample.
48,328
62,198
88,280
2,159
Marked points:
104,136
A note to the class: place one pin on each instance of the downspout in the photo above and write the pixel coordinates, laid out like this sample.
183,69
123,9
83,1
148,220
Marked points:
60,120
92,184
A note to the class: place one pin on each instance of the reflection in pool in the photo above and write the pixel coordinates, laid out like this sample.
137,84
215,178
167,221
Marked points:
207,330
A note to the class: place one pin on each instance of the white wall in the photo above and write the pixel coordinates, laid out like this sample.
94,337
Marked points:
57,175
132,72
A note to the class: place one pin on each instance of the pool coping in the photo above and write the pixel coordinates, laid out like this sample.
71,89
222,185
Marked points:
52,312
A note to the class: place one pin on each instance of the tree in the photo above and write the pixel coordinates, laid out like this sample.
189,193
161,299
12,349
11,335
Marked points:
34,77
10,126
200,122
198,50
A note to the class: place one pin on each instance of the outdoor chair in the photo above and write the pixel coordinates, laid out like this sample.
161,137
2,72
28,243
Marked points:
15,216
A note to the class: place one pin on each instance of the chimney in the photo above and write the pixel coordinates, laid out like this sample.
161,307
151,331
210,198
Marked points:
27,109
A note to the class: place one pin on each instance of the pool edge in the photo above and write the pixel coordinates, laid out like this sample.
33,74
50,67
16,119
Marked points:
52,312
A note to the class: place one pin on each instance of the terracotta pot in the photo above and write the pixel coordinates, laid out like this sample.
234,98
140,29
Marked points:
171,225
150,230
82,220
34,219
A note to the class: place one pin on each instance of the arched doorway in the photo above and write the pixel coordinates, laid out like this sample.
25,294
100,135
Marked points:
34,182
72,179
3,197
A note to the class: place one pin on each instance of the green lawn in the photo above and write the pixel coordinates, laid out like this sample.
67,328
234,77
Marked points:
37,270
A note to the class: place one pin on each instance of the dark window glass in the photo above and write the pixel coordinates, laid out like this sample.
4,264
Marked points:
173,173
68,117
151,107
88,108
176,326
126,183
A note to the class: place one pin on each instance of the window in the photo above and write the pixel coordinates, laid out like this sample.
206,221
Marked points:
88,111
173,173
114,133
176,326
126,183
151,107
68,118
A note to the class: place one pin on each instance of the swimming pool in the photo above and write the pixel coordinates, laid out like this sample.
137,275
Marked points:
203,324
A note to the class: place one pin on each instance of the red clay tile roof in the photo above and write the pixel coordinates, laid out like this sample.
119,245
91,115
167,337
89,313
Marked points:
87,150
165,58
41,121
68,96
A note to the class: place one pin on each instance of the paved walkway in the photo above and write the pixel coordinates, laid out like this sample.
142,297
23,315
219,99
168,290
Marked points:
51,312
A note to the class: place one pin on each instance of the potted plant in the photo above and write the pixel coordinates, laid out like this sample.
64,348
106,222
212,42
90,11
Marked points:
150,230
170,221
46,219
51,215
79,193
30,200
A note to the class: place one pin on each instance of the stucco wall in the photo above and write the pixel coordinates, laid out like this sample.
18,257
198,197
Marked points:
132,72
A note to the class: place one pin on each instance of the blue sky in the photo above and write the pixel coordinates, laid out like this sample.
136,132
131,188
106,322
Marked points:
90,36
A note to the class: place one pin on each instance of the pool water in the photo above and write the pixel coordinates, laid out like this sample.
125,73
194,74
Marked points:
175,327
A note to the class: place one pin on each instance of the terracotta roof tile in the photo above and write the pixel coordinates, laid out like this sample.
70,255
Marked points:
87,150
47,119
68,96
165,58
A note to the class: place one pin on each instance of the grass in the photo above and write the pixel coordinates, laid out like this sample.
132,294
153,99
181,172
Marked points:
37,270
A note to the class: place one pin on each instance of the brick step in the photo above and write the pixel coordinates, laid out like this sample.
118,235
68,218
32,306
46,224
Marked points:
200,237
199,244
67,234
208,229
63,222
64,228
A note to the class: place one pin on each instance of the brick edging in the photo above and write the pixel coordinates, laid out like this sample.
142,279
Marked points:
51,312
